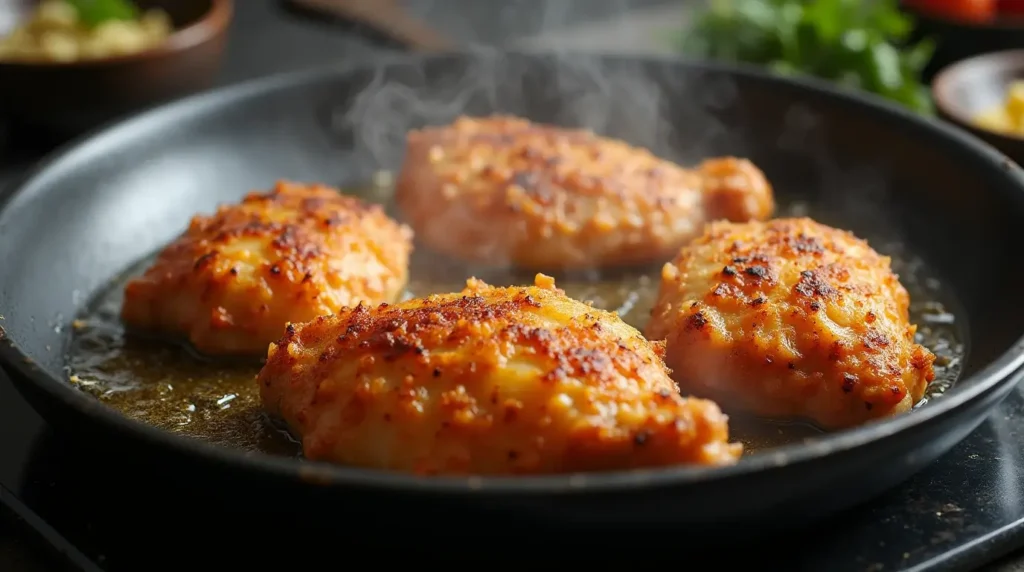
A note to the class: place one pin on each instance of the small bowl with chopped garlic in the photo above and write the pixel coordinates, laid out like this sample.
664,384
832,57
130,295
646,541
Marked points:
70,65
985,95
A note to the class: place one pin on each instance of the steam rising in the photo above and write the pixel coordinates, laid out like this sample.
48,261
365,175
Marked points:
614,97
648,102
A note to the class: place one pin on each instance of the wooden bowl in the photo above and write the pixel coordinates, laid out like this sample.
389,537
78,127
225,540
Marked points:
963,90
65,99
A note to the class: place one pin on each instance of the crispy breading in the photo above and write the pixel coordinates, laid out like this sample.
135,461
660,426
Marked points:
232,281
505,191
489,381
790,319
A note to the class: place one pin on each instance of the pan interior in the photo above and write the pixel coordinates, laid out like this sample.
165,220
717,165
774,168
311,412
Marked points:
944,210
167,385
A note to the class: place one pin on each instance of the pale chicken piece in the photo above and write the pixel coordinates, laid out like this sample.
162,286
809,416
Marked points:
490,381
504,191
790,319
232,281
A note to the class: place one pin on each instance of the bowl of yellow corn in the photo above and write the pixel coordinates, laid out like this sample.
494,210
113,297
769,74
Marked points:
985,95
70,65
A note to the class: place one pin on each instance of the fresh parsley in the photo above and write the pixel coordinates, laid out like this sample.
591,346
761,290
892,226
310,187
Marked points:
857,43
95,12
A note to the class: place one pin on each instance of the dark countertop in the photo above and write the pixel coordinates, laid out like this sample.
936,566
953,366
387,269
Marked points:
972,492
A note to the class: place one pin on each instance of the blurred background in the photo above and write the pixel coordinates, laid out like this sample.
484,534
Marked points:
67,66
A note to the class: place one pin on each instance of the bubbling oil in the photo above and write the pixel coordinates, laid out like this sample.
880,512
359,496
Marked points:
171,387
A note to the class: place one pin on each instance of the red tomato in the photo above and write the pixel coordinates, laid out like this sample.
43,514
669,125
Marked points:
1011,7
963,10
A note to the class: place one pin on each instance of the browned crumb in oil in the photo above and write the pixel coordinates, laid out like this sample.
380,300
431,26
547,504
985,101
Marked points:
167,386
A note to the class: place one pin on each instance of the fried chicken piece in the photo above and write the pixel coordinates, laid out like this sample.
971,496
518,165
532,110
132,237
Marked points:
233,280
490,381
502,190
790,319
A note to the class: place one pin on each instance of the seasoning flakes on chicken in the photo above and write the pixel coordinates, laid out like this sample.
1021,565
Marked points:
504,191
232,281
489,381
790,319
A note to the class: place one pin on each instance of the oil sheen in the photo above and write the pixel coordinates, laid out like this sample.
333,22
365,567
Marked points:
166,385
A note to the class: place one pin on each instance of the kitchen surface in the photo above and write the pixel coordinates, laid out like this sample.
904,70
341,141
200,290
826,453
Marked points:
966,511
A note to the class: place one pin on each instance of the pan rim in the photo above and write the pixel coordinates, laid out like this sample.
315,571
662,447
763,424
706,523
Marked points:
322,474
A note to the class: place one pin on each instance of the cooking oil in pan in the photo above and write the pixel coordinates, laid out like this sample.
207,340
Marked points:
168,386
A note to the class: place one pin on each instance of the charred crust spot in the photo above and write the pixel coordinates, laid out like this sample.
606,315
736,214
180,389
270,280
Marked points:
729,271
813,285
290,329
641,437
875,339
791,365
275,269
740,259
759,272
697,321
806,244
437,372
204,260
849,382
233,271
815,306
757,301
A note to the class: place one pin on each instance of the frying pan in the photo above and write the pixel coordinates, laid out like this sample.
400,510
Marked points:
97,206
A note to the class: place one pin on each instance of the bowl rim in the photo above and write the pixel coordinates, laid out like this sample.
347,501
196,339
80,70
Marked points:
208,26
1003,23
319,474
948,76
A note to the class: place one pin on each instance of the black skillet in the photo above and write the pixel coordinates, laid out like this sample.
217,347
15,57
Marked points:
96,207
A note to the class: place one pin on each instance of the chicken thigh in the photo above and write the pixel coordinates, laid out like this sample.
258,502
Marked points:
489,381
505,191
231,281
790,319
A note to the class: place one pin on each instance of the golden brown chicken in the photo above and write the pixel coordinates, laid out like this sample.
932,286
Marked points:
790,319
520,380
502,190
233,280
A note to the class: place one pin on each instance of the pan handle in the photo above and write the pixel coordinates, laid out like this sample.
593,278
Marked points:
385,17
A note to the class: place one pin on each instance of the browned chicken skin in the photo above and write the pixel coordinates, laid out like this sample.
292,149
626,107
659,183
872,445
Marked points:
503,190
520,380
232,281
790,319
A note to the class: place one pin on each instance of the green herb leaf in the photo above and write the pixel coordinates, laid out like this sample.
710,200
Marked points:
95,12
858,44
